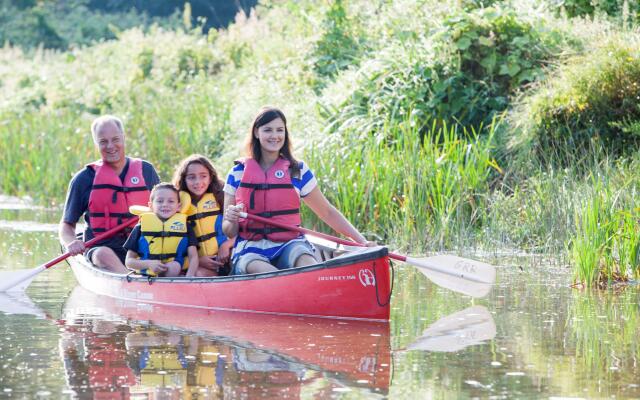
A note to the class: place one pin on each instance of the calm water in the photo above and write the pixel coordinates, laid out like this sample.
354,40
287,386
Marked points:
532,337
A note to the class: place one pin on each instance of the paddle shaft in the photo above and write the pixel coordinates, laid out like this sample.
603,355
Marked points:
92,242
314,233
464,271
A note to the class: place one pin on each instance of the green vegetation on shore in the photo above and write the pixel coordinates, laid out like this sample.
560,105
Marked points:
434,125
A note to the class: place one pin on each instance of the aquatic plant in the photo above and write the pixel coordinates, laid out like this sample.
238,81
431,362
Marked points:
604,246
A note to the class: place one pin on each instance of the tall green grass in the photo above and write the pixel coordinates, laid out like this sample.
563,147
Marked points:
420,186
604,247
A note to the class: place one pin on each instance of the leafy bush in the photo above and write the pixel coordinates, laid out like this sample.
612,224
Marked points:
338,47
466,73
499,52
593,97
627,9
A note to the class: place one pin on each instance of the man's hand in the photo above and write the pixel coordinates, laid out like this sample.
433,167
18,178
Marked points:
75,247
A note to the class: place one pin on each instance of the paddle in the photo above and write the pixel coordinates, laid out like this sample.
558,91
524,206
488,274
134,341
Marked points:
470,277
13,281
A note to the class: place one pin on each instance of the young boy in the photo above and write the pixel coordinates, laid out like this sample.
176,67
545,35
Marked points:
162,240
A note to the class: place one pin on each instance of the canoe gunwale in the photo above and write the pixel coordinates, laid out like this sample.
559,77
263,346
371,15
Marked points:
362,255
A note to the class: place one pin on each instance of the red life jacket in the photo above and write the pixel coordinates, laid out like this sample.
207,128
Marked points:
110,198
269,194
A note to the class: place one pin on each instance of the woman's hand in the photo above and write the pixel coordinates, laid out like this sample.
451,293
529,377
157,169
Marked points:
232,213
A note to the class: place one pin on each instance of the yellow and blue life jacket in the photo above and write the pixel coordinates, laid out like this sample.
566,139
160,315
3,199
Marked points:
163,240
207,223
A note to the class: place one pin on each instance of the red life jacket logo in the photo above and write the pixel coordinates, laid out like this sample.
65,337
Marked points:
279,174
366,277
135,180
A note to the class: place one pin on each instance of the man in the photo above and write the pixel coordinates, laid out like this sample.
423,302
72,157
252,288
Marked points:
103,192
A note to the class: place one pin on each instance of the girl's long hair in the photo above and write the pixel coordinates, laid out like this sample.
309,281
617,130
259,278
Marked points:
252,144
216,184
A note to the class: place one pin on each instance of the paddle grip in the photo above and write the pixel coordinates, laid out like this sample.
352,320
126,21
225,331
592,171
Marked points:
92,242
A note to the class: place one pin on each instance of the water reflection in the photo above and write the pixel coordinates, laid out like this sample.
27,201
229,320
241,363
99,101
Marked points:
471,326
124,348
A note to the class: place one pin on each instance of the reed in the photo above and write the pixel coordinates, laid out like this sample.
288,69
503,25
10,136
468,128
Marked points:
590,247
604,245
419,185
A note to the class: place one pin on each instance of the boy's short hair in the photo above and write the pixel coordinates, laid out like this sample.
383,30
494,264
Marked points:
163,185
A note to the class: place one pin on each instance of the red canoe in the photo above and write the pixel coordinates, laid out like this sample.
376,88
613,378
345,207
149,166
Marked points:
354,285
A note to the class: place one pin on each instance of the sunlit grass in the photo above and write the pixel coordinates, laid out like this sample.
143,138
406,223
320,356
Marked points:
604,246
421,186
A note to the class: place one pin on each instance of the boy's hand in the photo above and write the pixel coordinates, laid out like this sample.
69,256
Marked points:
157,267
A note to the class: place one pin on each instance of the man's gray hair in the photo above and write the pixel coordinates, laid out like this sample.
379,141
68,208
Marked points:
99,122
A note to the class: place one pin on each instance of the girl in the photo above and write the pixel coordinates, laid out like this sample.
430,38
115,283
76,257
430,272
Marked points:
196,175
162,241
270,182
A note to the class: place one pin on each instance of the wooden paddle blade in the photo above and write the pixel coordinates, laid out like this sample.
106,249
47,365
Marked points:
17,281
471,326
470,277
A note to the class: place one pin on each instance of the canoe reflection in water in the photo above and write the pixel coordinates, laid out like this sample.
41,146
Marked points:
120,349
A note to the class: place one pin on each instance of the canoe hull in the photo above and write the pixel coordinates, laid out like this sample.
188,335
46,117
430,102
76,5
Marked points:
356,286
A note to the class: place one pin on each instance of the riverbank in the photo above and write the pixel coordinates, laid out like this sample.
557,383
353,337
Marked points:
431,125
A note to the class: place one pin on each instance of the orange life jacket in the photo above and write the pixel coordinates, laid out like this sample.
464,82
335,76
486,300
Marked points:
111,198
269,194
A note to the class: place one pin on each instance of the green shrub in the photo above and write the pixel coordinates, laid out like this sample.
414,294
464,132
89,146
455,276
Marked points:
626,9
591,102
339,46
499,53
467,73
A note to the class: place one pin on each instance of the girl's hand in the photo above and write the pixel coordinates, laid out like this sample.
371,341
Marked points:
224,251
209,263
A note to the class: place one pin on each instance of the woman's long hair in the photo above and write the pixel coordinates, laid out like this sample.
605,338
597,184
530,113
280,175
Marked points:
216,184
252,144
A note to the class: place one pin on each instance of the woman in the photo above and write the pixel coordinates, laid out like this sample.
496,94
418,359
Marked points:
270,182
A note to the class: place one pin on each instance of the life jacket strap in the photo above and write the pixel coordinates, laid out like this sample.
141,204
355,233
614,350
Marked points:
201,215
266,231
206,237
269,214
160,256
163,234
